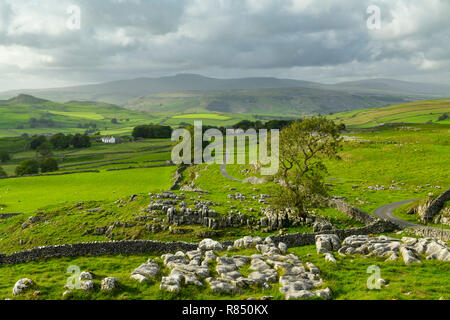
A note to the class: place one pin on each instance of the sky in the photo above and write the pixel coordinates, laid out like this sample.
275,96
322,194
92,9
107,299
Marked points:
55,43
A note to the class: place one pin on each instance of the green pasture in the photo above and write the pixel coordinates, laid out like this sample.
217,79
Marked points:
418,112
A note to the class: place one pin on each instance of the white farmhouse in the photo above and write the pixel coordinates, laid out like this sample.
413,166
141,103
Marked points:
110,140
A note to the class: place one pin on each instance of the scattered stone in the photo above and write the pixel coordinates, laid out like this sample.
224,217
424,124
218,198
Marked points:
322,226
86,276
209,244
329,257
327,243
220,286
66,293
283,247
146,271
21,286
110,284
324,293
87,285
408,256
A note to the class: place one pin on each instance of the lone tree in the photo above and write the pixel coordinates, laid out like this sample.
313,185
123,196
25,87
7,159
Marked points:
303,147
49,165
29,166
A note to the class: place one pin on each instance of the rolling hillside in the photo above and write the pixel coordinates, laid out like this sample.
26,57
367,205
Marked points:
413,112
31,115
189,93
278,101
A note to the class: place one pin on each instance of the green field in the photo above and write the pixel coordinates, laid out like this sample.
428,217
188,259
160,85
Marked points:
414,112
201,116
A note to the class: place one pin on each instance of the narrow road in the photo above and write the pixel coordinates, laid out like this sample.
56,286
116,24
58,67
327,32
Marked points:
385,212
223,170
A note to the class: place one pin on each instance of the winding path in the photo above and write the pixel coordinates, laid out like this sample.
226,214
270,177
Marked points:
223,170
385,212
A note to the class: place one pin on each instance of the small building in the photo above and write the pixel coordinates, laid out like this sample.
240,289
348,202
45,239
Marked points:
110,140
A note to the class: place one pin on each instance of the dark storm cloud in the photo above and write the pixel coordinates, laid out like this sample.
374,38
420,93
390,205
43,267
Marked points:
315,40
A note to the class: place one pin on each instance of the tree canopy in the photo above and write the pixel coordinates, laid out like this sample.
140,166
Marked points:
152,132
30,166
303,146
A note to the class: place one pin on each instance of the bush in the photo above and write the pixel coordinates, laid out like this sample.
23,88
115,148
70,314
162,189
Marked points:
44,150
152,132
443,117
2,173
60,141
29,166
4,156
49,165
80,141
37,142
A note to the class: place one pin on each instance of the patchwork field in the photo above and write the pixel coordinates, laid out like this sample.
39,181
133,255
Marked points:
414,112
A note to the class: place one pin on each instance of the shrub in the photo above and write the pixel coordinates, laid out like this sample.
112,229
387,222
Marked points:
37,142
60,141
2,173
49,165
80,141
152,132
29,166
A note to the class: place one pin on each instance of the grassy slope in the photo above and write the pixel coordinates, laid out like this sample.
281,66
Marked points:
285,101
414,112
67,117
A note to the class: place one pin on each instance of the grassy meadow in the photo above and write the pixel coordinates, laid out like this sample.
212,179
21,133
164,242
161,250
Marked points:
418,112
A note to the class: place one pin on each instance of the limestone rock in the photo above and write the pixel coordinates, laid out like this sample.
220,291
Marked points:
109,284
86,276
87,285
408,256
324,293
327,243
148,270
209,244
283,247
329,257
21,286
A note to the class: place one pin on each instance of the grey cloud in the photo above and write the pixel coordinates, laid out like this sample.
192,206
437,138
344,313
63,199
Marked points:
131,38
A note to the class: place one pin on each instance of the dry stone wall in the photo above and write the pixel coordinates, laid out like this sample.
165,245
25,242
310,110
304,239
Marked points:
145,246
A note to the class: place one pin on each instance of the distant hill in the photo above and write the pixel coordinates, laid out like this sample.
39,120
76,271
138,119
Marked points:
192,93
414,112
120,92
25,99
389,86
26,114
272,101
